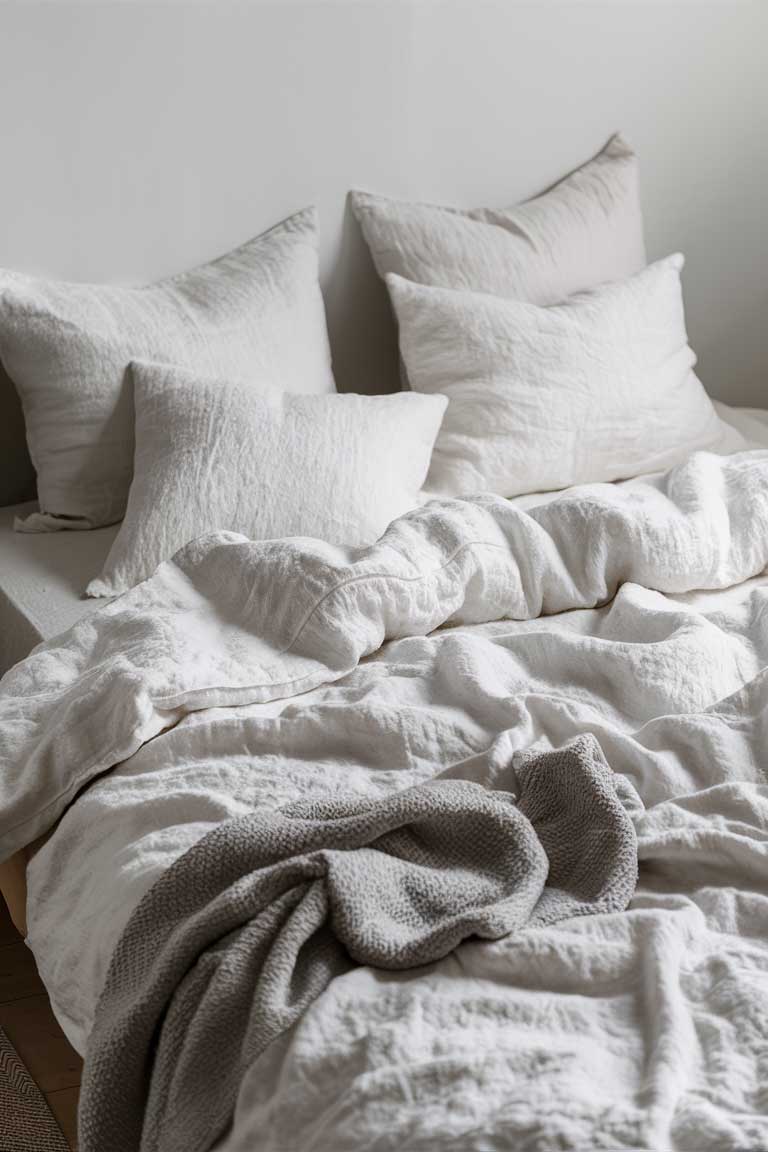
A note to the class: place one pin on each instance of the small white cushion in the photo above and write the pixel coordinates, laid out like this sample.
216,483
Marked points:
585,230
256,312
218,454
599,387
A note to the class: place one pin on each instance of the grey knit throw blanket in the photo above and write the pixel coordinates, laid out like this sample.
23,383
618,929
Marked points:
236,940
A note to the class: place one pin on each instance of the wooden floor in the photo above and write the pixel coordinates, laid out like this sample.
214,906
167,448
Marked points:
29,1023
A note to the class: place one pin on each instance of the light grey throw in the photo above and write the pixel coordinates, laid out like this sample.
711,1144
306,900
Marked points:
245,931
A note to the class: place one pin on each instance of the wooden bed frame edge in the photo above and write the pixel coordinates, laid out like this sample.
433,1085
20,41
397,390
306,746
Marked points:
13,887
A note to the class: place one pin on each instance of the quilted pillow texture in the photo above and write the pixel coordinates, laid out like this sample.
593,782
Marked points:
220,454
600,387
256,312
585,230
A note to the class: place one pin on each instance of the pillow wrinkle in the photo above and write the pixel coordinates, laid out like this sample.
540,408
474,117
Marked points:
598,388
222,454
582,231
257,313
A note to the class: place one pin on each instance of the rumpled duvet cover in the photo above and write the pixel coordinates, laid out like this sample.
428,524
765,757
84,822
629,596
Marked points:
244,676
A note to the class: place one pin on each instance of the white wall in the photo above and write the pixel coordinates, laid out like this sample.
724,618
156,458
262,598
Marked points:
136,139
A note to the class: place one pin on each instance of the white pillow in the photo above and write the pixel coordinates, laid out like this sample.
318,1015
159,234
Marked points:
580,233
599,387
256,312
217,454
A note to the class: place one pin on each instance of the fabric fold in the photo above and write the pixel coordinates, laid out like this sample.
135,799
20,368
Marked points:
236,940
230,621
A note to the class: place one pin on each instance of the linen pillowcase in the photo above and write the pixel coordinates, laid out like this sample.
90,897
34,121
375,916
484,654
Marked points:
597,388
256,312
217,454
585,230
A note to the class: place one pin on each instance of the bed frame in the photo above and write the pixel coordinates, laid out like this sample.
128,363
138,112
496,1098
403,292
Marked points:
13,887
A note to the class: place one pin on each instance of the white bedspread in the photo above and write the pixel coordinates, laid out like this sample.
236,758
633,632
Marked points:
646,1029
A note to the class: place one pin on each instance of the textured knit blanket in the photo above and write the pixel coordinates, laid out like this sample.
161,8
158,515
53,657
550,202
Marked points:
246,929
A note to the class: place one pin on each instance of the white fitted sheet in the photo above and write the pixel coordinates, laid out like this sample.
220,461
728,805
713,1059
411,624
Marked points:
42,575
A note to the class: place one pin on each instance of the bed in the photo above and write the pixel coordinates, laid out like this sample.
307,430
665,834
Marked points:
424,806
661,1005
111,845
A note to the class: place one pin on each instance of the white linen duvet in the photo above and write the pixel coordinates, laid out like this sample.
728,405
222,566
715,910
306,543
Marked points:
646,1029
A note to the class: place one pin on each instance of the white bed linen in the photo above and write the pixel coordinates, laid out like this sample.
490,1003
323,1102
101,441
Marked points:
256,311
43,576
210,453
543,398
639,1024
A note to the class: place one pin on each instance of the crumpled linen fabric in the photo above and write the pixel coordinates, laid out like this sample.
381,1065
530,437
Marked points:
600,387
583,231
220,453
231,621
643,1029
256,312
244,932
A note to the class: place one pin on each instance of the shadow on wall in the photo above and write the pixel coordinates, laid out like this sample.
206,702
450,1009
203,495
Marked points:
17,476
726,299
360,321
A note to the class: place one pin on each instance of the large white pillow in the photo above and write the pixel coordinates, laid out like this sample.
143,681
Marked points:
256,312
585,230
218,454
599,387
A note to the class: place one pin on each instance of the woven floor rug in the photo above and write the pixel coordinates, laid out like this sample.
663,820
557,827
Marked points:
26,1122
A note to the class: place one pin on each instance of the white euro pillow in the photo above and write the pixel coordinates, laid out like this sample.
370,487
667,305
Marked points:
220,454
598,388
585,230
256,312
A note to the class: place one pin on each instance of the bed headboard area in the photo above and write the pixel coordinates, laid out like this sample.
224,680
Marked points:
139,139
